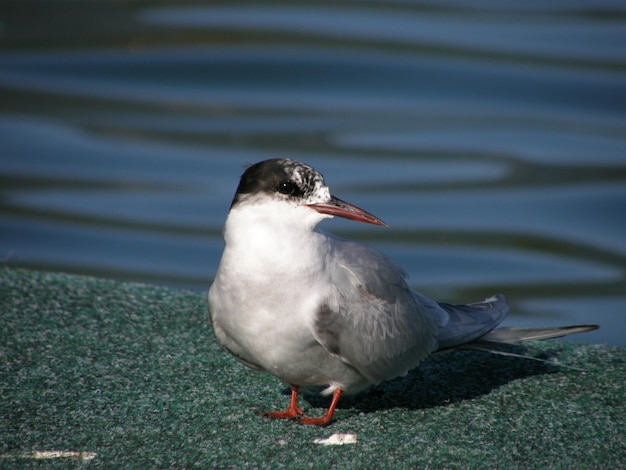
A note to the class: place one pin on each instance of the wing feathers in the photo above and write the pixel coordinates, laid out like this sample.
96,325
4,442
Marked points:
469,322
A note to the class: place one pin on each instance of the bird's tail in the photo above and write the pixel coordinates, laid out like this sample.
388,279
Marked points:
473,327
502,341
516,336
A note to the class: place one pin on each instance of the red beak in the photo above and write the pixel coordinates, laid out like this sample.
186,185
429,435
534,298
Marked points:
346,210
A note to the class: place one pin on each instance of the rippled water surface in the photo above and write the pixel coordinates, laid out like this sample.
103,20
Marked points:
490,136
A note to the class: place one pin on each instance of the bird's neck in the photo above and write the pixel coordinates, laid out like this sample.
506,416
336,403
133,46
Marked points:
269,243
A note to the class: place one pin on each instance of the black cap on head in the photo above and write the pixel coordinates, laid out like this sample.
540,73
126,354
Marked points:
288,178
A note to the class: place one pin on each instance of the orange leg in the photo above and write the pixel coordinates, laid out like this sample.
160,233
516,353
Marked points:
328,416
292,412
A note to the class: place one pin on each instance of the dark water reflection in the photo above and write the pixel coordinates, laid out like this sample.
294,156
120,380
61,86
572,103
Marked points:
490,136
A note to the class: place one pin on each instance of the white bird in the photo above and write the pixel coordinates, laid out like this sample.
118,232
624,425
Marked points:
313,309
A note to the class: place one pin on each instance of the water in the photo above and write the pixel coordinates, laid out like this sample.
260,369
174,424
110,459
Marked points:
490,136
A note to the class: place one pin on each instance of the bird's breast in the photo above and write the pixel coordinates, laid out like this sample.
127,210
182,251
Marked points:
261,308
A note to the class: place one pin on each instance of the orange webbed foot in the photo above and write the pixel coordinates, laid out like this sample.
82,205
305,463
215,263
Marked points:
290,413
294,412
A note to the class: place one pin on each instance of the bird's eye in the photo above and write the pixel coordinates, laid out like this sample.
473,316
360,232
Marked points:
288,187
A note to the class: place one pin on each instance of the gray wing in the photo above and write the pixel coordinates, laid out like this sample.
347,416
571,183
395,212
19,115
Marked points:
470,322
372,320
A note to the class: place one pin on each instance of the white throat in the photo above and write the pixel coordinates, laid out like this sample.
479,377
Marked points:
274,239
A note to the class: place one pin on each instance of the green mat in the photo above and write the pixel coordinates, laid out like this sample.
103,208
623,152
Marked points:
102,373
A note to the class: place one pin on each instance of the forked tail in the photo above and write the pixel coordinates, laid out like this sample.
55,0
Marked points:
473,326
501,340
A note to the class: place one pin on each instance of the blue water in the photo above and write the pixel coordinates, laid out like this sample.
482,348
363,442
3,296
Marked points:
490,136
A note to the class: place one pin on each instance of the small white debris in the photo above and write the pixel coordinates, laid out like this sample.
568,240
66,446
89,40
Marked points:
336,440
52,454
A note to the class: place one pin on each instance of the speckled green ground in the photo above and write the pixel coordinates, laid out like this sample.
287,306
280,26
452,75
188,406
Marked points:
133,374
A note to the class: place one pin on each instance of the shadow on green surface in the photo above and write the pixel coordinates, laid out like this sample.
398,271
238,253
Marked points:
441,380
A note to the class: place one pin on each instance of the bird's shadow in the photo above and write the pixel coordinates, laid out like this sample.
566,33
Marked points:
443,379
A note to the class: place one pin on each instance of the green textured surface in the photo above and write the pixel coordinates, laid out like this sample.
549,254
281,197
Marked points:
133,373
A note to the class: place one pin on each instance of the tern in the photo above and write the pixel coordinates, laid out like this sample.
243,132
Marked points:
314,310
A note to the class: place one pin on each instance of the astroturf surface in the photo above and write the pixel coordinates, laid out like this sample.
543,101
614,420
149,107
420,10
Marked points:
100,373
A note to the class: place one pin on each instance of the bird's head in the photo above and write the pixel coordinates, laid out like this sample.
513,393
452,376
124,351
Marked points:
293,191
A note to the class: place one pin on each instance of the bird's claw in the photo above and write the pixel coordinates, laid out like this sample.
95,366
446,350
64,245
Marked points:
321,421
289,413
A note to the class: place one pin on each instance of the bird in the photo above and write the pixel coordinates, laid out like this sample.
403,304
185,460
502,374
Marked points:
316,310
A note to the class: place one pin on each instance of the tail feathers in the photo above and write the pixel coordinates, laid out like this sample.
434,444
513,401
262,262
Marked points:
515,336
467,323
512,336
473,327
